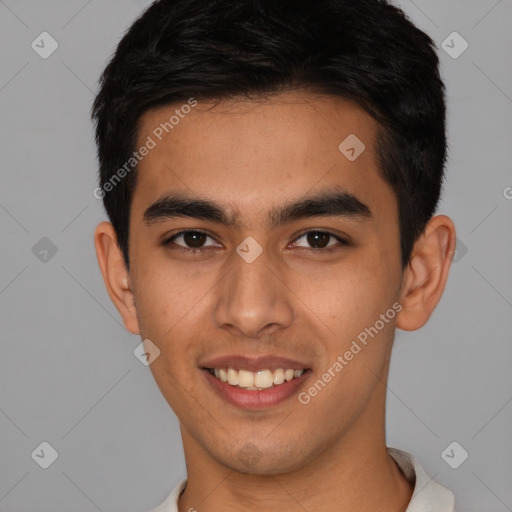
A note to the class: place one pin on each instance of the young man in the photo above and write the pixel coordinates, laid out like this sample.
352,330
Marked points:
271,170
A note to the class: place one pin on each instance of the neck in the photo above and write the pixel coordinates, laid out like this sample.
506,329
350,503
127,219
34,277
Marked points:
354,473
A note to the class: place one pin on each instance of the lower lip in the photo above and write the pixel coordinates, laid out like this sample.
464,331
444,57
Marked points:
255,399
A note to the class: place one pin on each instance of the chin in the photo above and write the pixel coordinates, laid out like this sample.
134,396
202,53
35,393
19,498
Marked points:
254,459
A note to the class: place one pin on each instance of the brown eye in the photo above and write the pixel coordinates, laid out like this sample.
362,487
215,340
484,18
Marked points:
320,239
193,240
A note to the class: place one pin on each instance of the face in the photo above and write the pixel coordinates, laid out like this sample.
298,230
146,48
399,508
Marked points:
262,287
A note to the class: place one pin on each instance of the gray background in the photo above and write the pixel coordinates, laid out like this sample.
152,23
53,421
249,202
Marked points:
68,375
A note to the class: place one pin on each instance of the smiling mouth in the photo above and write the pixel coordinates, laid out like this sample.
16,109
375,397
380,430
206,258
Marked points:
256,381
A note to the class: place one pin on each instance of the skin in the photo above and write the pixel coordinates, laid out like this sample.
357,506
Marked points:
292,301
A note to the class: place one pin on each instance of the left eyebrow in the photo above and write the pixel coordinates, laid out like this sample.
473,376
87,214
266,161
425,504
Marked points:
332,202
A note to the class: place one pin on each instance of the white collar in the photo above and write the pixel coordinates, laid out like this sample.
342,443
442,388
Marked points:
428,495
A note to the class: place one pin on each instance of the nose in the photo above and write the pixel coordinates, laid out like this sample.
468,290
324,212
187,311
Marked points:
253,298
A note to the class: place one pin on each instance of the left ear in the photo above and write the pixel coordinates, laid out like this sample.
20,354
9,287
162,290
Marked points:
425,277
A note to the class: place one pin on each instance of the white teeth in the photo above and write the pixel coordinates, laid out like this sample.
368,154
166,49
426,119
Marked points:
264,379
279,376
245,378
261,379
232,377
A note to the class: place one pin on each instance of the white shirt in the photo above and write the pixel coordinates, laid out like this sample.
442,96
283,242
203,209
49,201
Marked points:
428,495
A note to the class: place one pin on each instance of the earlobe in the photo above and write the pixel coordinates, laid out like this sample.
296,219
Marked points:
426,275
115,275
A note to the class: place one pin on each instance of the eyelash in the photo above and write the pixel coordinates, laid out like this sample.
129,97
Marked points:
169,241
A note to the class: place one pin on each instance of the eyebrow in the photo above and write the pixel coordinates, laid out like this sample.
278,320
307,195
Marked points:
332,202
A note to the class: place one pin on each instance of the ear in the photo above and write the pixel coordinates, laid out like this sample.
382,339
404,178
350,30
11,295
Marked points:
425,277
115,275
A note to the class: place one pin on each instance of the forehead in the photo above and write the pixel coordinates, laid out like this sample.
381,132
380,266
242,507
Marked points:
251,154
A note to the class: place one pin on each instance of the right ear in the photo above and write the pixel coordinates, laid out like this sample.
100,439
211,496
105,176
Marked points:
115,275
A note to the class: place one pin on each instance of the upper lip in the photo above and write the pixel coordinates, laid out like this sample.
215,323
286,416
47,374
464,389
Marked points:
254,364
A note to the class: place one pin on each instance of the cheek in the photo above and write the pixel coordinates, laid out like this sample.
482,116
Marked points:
173,309
168,307
161,311
346,297
166,293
